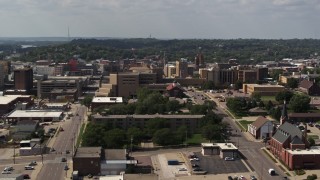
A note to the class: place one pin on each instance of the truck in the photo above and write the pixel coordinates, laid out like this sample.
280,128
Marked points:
173,162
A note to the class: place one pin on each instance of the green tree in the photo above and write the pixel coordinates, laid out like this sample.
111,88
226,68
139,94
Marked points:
212,132
210,118
155,124
283,95
300,103
143,93
236,104
87,101
269,105
275,113
312,142
199,109
172,105
115,138
293,83
256,96
164,137
238,85
136,134
181,134
261,104
207,85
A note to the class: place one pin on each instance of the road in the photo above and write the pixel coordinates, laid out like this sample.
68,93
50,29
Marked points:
54,169
252,151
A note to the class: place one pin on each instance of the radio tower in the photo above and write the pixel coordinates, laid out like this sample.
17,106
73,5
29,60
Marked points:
68,34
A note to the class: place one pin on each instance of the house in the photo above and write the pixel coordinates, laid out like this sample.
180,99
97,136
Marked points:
175,90
261,128
309,87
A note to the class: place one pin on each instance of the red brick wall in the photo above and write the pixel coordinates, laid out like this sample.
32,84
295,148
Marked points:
296,161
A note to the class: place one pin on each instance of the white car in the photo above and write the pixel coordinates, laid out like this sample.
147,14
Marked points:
6,172
229,159
194,159
8,168
29,168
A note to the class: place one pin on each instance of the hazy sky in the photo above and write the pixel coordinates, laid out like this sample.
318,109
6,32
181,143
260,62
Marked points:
161,18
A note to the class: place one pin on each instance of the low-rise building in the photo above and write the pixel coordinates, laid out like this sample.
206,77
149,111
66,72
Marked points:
31,147
222,149
105,101
263,89
38,115
261,128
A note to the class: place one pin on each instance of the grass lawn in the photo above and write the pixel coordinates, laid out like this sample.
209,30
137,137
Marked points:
268,98
313,136
196,139
80,135
245,123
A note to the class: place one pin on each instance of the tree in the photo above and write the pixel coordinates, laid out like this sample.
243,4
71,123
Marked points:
275,113
283,95
312,142
269,105
199,109
256,96
212,132
115,138
207,85
293,83
87,101
164,137
300,103
261,104
238,85
210,118
136,134
143,93
236,104
155,124
173,105
181,134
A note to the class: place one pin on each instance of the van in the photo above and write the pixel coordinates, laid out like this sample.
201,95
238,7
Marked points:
272,172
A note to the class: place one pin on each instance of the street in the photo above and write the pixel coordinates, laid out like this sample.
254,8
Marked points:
54,169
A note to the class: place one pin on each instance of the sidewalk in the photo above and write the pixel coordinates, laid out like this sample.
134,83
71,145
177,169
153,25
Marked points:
36,171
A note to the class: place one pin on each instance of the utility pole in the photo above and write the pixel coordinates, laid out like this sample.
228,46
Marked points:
14,152
186,140
131,145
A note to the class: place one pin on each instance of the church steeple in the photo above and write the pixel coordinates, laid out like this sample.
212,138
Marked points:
284,113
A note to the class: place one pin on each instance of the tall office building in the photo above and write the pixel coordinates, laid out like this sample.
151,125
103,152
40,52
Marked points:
23,79
182,68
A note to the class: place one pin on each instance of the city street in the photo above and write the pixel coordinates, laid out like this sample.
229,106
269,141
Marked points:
65,140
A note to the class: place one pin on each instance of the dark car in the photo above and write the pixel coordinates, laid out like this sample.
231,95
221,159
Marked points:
195,165
197,169
26,176
63,160
230,178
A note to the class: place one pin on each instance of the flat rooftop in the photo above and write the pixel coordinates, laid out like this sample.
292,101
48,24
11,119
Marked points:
312,150
88,152
222,146
107,100
265,85
9,98
149,116
35,113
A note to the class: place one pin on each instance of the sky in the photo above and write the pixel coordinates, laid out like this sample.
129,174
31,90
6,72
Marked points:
162,19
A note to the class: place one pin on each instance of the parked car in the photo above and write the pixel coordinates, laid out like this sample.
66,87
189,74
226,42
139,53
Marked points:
197,169
8,168
66,167
67,152
230,178
195,165
194,159
183,169
63,160
229,159
272,172
29,168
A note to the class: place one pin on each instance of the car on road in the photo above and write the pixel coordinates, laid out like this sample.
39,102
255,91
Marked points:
6,172
66,167
229,159
67,152
8,168
183,169
29,168
63,160
252,177
242,177
26,176
195,165
195,159
230,178
272,172
197,169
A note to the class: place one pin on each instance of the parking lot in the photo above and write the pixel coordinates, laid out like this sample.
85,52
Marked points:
215,165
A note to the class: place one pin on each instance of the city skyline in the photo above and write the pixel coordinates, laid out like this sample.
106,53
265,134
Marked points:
165,19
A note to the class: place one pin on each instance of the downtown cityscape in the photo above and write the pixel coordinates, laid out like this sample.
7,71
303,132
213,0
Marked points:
163,90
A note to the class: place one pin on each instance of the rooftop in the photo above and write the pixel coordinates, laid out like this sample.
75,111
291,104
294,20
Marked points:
107,100
88,152
312,150
265,85
35,113
149,116
115,154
